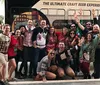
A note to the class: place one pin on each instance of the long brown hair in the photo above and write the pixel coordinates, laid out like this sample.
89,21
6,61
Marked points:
91,37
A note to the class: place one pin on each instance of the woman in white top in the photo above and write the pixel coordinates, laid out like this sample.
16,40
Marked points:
43,71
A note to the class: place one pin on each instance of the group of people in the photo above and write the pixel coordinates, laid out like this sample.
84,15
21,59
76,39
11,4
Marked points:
52,54
75,48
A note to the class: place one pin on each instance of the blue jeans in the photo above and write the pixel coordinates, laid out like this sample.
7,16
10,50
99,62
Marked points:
39,54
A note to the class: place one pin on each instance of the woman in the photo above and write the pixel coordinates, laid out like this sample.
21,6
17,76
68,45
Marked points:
12,51
51,39
19,53
63,37
43,72
86,55
62,61
73,40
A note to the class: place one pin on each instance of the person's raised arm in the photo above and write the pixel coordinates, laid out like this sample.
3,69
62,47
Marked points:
94,16
78,22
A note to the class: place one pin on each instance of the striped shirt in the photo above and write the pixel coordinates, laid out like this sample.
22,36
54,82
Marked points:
27,37
43,65
4,43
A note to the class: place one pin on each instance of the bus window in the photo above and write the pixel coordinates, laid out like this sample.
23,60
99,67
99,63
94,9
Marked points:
54,13
86,14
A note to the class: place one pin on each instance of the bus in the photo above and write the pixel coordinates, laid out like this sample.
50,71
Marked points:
58,13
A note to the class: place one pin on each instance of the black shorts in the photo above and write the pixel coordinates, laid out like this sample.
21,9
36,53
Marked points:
11,57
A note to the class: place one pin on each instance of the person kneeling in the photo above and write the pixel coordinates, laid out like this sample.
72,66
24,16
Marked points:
43,72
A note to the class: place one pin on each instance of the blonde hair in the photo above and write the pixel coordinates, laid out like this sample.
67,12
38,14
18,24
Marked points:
50,51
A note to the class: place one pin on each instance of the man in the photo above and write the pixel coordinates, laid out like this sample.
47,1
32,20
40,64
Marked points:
28,46
39,43
83,29
4,44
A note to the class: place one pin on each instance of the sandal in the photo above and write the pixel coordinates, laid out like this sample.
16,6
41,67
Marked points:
11,79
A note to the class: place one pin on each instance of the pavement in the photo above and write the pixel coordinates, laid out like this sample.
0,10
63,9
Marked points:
67,81
60,82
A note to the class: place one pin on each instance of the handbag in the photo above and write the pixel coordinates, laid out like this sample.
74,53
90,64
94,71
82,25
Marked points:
86,55
85,58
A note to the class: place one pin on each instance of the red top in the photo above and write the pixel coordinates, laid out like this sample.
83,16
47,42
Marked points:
52,40
63,38
12,47
58,34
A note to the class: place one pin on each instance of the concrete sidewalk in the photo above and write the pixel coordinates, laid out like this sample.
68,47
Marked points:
68,81
60,82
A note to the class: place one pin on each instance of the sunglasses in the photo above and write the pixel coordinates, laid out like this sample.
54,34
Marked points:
52,53
72,33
